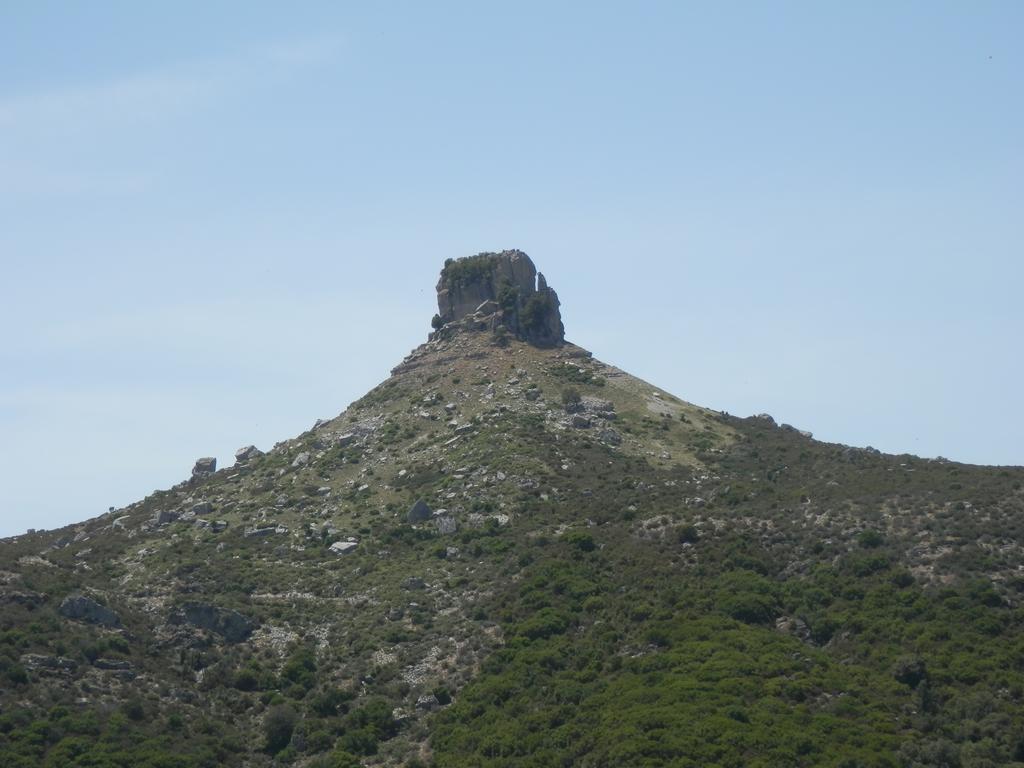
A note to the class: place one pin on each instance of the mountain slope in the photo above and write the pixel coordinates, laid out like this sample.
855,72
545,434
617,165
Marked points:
510,553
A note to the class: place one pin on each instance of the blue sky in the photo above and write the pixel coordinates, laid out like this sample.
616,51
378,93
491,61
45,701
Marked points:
221,221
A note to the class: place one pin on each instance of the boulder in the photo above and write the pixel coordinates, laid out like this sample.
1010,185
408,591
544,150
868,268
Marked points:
419,512
343,547
610,436
301,460
164,516
446,525
580,421
247,453
414,582
86,609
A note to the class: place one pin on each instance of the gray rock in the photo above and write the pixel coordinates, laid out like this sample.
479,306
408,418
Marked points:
419,512
219,526
202,508
164,516
301,459
268,530
247,453
580,421
446,525
343,547
346,439
229,624
413,582
610,436
86,609
204,467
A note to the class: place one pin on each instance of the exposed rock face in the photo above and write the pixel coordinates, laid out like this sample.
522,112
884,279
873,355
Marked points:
86,609
500,290
231,625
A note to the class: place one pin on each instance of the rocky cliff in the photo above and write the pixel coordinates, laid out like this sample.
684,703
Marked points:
500,291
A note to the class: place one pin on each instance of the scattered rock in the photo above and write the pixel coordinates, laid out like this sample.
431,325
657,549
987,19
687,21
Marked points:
580,421
610,436
413,582
301,459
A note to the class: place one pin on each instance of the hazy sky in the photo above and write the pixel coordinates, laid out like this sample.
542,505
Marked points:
221,221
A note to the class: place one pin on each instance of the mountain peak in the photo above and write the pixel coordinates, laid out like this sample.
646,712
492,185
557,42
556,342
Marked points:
494,291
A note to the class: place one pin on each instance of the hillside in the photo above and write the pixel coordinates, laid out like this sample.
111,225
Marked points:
512,554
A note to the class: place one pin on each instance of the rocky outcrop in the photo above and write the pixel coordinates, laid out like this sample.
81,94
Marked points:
500,290
204,467
86,609
229,624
